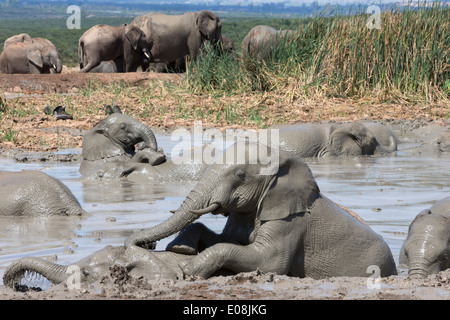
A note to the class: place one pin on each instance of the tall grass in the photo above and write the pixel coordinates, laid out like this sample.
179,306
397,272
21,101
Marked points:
408,56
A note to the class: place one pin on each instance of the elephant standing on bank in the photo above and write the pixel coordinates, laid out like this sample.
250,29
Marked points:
173,37
260,40
126,45
278,221
426,249
34,193
114,139
24,56
328,140
138,263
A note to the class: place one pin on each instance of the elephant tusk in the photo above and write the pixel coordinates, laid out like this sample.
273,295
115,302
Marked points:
54,67
147,55
209,209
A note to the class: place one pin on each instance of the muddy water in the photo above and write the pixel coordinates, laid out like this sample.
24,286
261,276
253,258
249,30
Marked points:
387,192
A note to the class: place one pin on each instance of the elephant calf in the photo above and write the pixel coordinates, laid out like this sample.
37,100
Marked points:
34,193
426,249
126,45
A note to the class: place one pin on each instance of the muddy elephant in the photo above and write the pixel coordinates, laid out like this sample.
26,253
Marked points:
332,139
126,45
278,221
114,139
426,249
107,67
438,143
34,193
260,40
138,263
38,56
23,37
173,37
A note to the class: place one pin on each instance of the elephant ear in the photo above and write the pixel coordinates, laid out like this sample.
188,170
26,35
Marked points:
206,24
133,35
346,139
292,190
35,57
97,146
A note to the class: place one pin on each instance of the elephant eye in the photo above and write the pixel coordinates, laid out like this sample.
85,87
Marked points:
123,126
239,174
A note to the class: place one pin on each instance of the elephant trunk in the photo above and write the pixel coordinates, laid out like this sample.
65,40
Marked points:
417,273
147,135
389,149
190,210
53,272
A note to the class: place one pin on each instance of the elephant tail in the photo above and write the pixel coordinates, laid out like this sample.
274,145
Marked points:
81,54
16,272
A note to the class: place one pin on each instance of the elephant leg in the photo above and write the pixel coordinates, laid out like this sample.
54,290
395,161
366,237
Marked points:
92,63
272,251
194,239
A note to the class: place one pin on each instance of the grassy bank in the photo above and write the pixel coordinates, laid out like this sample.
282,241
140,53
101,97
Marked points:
406,59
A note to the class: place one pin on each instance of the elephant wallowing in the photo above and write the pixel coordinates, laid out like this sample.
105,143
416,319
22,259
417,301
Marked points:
277,222
426,249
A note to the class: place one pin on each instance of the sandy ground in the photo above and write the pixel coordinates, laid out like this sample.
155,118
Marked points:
246,286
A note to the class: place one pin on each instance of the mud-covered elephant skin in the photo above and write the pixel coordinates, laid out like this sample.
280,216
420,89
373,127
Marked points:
126,45
436,144
23,37
278,221
260,40
36,56
34,193
426,249
173,37
114,139
308,140
138,263
107,67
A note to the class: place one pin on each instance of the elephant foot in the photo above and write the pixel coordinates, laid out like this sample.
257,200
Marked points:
181,248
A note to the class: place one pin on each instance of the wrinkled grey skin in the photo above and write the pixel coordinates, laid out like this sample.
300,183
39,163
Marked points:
34,193
308,140
38,56
426,249
114,139
258,41
173,37
126,45
277,222
106,67
437,144
138,262
23,37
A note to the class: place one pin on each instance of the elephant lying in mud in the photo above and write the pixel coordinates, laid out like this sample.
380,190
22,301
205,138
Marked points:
278,221
34,193
114,139
332,139
439,143
426,249
138,262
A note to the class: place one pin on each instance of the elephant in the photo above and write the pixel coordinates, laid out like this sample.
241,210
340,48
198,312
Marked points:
308,140
23,37
35,193
138,263
438,143
278,221
257,43
113,139
38,56
126,45
426,248
173,37
107,67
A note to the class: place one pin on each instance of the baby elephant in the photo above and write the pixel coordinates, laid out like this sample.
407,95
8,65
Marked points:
126,45
426,249
34,193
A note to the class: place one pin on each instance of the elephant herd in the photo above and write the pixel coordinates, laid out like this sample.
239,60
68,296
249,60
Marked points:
276,222
165,40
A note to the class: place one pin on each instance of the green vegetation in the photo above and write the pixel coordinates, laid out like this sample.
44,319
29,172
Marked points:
407,58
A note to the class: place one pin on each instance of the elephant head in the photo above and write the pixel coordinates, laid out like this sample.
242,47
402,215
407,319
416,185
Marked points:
44,56
115,138
426,249
357,139
242,187
138,40
209,26
23,37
